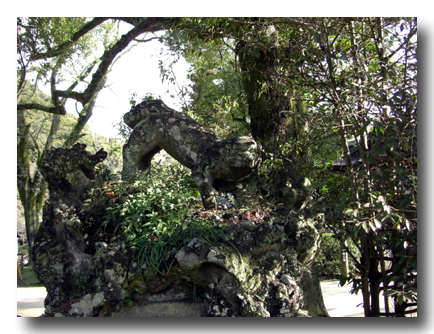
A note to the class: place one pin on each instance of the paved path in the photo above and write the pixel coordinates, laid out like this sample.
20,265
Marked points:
30,301
338,301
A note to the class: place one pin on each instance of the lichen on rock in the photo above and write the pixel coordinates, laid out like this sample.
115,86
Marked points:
255,268
215,163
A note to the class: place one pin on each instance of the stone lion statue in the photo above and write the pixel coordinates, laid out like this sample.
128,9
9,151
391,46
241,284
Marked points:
215,163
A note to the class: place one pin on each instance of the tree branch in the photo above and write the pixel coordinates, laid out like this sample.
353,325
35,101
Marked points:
406,39
84,116
83,31
161,25
52,110
146,40
109,56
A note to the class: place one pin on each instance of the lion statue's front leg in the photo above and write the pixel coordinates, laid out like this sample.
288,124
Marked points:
205,185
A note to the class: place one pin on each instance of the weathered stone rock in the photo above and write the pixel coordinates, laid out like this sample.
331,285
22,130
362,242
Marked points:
86,306
60,257
68,172
215,163
256,269
163,309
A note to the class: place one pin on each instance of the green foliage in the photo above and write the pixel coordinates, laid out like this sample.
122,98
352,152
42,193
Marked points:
146,97
82,282
327,263
390,217
124,131
114,148
29,278
128,302
215,97
41,122
375,81
327,260
42,35
155,214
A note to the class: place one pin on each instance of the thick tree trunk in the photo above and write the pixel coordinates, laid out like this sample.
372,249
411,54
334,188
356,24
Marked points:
265,100
30,196
31,192
23,174
364,272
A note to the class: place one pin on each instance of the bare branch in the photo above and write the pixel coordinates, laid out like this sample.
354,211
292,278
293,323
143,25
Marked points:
146,40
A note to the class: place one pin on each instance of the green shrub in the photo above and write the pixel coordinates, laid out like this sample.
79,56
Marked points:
327,261
155,213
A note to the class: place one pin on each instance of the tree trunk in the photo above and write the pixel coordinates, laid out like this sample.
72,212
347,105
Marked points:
31,219
23,176
265,100
364,272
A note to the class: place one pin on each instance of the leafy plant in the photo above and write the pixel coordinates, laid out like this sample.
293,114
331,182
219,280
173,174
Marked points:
128,302
155,214
82,282
327,260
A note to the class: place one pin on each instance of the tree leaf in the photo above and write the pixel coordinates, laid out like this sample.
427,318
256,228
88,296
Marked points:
330,204
339,208
409,225
375,225
389,293
349,211
400,298
405,202
357,228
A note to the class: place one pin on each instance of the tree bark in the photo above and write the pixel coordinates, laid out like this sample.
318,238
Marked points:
265,100
52,110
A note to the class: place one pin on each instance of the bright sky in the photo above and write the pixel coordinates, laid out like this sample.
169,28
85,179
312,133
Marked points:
135,72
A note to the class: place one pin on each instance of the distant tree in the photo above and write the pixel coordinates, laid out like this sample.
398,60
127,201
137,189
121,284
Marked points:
38,36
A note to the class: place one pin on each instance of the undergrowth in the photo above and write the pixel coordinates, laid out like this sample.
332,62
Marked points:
155,214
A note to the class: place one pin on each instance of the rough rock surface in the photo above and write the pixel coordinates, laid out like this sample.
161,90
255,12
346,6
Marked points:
260,269
215,163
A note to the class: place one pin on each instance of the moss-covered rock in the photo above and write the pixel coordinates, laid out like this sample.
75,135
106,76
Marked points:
215,163
255,269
